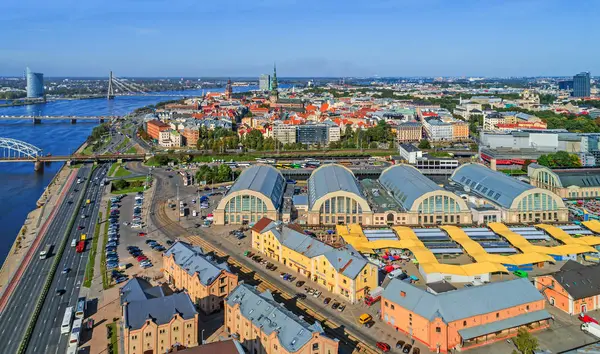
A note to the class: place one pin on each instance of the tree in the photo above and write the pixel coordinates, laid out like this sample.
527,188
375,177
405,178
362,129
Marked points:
525,342
120,184
424,144
560,159
526,164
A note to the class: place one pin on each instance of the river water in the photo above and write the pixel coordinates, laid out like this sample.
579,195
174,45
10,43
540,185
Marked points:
20,185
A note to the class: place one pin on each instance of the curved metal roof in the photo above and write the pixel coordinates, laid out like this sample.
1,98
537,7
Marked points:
263,179
492,185
331,178
406,184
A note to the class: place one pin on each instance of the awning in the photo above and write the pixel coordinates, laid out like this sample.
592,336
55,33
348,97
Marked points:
478,331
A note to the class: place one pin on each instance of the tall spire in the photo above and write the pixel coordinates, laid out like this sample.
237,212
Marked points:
274,81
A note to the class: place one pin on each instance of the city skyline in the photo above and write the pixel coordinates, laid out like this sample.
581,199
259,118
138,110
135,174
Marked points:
308,39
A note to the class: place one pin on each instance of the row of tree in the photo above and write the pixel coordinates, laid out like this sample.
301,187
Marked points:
559,159
216,174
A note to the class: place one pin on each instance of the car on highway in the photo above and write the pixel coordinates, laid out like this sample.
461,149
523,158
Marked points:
83,216
384,347
59,292
80,227
66,270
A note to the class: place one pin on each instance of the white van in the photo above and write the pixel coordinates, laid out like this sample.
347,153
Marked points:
74,242
395,273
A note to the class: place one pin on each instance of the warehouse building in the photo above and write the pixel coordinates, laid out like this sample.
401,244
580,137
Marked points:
572,183
519,202
262,325
335,197
465,318
257,193
423,201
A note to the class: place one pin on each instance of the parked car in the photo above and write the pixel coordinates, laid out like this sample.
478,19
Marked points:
384,347
400,344
406,349
299,283
341,308
327,300
335,305
301,296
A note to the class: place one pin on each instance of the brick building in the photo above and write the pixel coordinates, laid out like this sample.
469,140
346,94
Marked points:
574,289
207,282
154,127
465,318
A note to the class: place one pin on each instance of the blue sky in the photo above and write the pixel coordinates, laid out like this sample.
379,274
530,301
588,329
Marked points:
305,37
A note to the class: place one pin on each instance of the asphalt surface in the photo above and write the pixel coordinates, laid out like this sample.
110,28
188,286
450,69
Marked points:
46,336
20,306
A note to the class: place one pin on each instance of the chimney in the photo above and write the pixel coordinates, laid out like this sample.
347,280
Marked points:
403,294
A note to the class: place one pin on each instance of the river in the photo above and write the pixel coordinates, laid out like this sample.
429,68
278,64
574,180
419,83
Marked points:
20,185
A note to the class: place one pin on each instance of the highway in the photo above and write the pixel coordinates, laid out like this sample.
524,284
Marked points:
20,306
46,335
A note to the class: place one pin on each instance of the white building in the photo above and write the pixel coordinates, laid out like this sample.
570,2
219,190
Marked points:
410,153
437,130
284,133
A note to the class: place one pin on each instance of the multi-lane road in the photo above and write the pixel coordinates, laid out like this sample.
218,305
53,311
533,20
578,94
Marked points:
21,304
46,335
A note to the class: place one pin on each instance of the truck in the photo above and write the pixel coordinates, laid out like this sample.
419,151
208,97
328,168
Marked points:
374,296
83,237
592,328
88,201
80,247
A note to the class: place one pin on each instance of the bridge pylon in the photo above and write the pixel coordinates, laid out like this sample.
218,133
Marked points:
111,90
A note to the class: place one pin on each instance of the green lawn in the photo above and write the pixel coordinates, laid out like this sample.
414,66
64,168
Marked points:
121,172
112,169
131,150
129,190
114,341
89,268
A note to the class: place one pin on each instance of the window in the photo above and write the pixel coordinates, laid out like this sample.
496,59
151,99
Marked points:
386,304
344,281
392,306
464,323
438,330
497,315
527,307
316,346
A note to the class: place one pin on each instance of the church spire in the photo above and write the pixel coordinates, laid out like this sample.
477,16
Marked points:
274,81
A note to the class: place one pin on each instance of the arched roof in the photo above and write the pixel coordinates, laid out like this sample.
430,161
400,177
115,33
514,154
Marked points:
406,184
263,179
492,185
331,178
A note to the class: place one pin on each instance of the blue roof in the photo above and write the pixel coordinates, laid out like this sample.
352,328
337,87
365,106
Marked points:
264,312
160,310
346,261
406,184
497,326
263,179
300,199
193,260
462,303
492,185
331,178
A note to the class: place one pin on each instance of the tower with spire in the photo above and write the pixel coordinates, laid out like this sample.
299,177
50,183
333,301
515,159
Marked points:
228,90
274,93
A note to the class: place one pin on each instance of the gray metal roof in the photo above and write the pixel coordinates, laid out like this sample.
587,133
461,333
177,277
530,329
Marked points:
492,185
160,310
263,179
346,260
462,303
581,179
301,243
194,260
264,312
497,326
406,184
331,178
138,289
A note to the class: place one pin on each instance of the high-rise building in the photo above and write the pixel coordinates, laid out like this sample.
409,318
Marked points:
581,85
565,85
35,84
264,82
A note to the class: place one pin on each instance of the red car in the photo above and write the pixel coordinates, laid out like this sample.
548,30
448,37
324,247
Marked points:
141,258
384,347
79,227
142,234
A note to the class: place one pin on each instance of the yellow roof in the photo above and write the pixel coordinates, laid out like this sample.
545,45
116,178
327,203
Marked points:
567,239
593,225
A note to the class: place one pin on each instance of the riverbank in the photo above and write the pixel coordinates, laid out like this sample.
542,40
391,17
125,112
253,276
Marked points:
34,223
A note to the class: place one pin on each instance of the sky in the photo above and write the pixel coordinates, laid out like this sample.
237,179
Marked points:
306,38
